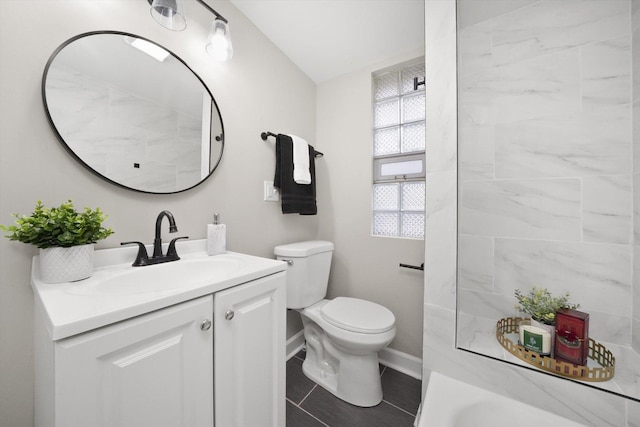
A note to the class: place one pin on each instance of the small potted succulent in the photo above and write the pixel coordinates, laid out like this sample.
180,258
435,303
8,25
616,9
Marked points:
65,238
541,305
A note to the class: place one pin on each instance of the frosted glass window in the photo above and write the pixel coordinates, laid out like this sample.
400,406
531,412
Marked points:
412,225
401,168
386,197
408,74
386,141
413,137
413,194
386,86
413,108
387,113
385,224
399,152
398,210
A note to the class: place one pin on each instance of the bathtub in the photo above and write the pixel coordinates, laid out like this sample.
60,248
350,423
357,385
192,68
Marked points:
452,403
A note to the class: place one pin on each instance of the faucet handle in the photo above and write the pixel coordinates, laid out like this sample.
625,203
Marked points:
142,258
171,252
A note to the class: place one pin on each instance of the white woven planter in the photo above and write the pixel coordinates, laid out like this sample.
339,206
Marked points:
58,265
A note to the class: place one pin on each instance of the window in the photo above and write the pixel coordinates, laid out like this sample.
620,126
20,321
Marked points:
399,152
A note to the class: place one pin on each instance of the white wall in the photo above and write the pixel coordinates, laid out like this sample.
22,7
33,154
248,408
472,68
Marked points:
571,400
259,90
363,266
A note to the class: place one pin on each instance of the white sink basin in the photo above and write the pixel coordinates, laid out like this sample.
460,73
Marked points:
163,278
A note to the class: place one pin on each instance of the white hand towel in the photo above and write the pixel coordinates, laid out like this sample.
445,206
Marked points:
301,172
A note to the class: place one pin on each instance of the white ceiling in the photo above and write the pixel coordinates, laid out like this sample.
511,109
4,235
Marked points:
327,38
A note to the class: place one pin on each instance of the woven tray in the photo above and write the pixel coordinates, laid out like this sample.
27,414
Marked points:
597,352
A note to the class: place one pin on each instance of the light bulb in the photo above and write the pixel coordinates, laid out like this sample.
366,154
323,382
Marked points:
219,45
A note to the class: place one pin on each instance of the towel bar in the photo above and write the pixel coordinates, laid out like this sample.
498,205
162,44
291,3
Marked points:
415,267
267,134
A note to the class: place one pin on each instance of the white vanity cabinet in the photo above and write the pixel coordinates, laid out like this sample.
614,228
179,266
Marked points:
153,370
250,354
209,351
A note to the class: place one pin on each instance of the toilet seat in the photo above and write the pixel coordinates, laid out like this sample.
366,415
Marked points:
357,315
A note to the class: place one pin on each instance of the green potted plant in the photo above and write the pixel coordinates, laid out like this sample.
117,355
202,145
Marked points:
65,238
541,305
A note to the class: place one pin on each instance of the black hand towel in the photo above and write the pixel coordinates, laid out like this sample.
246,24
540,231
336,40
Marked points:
296,198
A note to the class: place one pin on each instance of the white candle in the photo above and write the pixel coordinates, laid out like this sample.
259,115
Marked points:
536,339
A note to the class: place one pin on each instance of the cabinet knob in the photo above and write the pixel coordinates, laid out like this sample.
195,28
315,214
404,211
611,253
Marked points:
205,325
229,314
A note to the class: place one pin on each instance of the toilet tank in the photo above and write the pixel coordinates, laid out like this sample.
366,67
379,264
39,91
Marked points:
307,272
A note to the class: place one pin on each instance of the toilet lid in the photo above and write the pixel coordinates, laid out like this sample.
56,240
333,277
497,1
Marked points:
358,315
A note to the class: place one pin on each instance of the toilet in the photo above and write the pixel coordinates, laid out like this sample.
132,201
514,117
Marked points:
343,335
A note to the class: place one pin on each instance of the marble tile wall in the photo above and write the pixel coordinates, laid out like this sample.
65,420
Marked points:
604,203
635,81
163,142
546,159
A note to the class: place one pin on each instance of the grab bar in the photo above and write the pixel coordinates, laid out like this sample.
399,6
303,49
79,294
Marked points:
414,267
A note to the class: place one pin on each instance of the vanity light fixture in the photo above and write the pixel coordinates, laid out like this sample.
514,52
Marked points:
169,14
219,41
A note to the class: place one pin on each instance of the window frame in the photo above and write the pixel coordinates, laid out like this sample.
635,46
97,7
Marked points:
379,161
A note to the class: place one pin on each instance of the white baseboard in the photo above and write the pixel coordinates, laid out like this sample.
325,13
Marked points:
295,344
402,362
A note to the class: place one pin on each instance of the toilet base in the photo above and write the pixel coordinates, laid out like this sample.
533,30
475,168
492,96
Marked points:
358,384
354,378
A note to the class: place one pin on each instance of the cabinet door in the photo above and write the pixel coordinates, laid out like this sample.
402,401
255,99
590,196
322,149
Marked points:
249,354
151,371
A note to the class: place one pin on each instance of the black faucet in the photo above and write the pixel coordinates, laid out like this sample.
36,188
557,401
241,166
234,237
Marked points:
157,241
143,259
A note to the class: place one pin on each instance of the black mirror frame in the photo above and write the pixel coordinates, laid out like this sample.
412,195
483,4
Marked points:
220,138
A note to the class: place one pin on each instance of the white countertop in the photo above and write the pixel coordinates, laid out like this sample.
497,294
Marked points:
117,291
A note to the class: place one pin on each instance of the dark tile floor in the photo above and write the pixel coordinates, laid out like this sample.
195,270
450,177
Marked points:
309,405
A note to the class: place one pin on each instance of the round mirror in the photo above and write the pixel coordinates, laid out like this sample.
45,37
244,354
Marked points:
133,112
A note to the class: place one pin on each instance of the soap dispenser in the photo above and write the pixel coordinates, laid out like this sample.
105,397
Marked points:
216,237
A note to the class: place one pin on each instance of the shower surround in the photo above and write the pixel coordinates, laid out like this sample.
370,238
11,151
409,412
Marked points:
545,184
